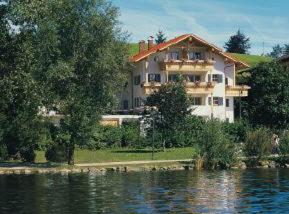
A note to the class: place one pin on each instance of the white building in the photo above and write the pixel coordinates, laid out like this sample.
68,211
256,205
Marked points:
210,75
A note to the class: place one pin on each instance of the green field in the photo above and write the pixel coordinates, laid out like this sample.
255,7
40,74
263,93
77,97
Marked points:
116,155
251,60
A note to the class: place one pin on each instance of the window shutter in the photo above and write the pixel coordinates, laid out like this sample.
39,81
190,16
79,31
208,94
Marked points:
209,78
158,78
220,101
220,78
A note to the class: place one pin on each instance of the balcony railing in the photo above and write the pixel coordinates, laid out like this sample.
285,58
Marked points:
191,87
237,91
187,65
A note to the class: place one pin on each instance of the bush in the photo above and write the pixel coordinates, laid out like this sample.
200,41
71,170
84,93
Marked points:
56,153
258,143
215,147
284,144
3,152
27,155
131,136
237,130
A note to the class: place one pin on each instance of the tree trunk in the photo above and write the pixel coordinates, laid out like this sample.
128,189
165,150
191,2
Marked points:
70,154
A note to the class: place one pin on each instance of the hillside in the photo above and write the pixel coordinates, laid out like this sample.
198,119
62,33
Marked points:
251,60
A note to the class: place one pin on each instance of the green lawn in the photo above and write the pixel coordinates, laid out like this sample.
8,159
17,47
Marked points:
116,155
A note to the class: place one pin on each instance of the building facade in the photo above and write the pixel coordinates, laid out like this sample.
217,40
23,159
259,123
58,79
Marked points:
209,73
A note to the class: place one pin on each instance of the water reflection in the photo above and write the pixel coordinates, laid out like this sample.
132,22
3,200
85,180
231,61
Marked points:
156,192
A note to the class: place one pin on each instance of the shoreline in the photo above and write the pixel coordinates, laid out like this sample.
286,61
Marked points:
125,166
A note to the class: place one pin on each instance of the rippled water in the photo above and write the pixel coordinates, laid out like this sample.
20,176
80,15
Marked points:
155,192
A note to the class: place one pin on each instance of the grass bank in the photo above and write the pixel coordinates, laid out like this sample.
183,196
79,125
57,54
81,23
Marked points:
118,155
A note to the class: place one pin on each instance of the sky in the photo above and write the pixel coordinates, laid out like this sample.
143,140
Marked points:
266,22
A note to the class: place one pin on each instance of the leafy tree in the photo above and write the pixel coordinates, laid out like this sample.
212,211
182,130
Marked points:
173,106
20,95
238,43
80,54
160,37
267,103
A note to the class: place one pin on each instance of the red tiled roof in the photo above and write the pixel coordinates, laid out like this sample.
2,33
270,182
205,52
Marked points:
176,40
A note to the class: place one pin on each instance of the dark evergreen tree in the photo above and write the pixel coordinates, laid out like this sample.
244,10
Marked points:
238,43
160,37
277,51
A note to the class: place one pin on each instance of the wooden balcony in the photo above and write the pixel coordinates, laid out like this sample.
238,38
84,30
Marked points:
237,91
200,88
187,65
192,88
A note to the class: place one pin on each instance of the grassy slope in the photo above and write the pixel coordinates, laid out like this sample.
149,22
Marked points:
116,155
251,60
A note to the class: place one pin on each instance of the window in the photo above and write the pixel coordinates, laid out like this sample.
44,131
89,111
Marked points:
227,103
196,55
217,101
173,77
154,78
216,78
226,81
192,78
174,55
137,80
125,104
196,101
138,102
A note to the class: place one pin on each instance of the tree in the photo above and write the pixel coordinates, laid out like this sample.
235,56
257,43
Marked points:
160,37
20,95
173,106
80,54
267,103
238,43
276,52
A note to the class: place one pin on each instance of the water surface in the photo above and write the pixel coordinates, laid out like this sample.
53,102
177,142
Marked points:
265,190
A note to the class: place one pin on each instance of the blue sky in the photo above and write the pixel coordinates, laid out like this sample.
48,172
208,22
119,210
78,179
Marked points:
214,20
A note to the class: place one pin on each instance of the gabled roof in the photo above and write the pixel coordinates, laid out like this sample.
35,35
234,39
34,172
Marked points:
142,55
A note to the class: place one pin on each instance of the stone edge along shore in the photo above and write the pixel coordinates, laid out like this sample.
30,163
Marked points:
122,167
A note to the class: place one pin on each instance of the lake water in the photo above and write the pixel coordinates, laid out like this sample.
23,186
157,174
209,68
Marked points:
244,191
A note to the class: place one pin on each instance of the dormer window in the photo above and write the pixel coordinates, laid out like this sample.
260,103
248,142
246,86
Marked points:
174,56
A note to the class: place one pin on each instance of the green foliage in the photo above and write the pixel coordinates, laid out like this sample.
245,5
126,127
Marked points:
238,43
268,99
173,106
279,51
160,37
27,154
258,143
56,152
127,135
3,152
237,130
79,55
284,148
216,148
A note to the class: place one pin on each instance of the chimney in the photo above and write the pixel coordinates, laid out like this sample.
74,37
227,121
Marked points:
142,46
150,42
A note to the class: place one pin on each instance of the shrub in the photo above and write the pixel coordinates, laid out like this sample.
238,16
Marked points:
27,154
3,152
215,147
131,135
237,130
284,144
258,143
56,153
